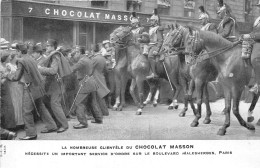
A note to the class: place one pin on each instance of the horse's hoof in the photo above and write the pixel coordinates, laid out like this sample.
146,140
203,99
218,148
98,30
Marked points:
120,108
170,107
250,119
154,105
206,121
138,113
194,124
182,114
250,127
176,107
114,108
222,132
258,122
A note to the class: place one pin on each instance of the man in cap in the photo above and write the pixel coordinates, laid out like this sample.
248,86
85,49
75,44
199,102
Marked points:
226,27
28,75
56,66
88,89
155,42
99,68
206,25
247,49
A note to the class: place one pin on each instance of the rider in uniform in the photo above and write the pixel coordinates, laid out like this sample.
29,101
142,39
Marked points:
156,41
247,49
206,25
226,27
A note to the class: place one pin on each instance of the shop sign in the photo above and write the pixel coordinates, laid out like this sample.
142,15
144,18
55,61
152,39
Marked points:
189,4
33,9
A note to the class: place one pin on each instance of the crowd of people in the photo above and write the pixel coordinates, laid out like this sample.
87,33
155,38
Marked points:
55,83
52,83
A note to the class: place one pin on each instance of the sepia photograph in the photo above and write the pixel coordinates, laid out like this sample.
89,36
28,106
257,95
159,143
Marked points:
139,78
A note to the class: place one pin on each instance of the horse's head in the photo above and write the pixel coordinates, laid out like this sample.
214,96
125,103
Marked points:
120,35
193,43
174,38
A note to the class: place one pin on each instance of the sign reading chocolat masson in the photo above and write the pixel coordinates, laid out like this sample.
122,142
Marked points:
47,10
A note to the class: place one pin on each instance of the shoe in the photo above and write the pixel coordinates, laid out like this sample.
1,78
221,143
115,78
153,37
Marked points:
29,138
61,129
254,89
152,76
71,117
97,121
11,135
80,126
48,131
90,118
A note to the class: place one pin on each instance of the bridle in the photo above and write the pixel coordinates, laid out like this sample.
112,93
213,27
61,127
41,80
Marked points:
119,42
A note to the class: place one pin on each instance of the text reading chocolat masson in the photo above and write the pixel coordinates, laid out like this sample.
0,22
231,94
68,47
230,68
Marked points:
132,147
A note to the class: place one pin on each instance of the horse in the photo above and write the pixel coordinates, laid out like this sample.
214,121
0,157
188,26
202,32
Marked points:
139,67
190,72
235,73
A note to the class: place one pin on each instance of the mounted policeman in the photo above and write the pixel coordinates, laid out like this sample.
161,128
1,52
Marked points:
251,44
204,18
227,28
155,42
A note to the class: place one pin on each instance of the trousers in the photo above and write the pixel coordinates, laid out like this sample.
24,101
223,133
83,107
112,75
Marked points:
28,107
88,99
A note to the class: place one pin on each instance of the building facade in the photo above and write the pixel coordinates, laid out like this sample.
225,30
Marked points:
83,22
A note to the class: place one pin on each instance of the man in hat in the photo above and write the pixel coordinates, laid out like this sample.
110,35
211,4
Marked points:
109,53
28,75
155,42
206,25
247,49
226,27
4,44
56,66
5,134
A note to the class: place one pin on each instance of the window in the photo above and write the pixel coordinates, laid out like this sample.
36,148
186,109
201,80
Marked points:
163,7
133,5
189,6
99,4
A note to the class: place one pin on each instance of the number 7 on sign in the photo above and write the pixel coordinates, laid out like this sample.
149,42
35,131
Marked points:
30,9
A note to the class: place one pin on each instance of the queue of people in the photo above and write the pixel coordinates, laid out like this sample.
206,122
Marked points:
52,84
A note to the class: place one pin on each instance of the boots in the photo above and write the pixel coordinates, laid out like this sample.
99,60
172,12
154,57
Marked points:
152,65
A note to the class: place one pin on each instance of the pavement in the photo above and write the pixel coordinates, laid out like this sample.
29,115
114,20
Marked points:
158,123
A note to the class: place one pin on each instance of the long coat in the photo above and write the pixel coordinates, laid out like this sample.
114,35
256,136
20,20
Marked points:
84,68
99,66
226,27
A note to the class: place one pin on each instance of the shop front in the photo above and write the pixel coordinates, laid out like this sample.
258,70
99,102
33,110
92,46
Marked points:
23,20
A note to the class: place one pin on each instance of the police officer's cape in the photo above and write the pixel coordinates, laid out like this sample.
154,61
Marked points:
32,76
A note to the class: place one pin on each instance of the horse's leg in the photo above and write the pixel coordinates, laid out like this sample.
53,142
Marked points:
236,99
185,90
132,91
123,88
189,95
250,117
208,110
199,90
111,79
227,95
150,94
118,88
176,91
140,86
155,98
